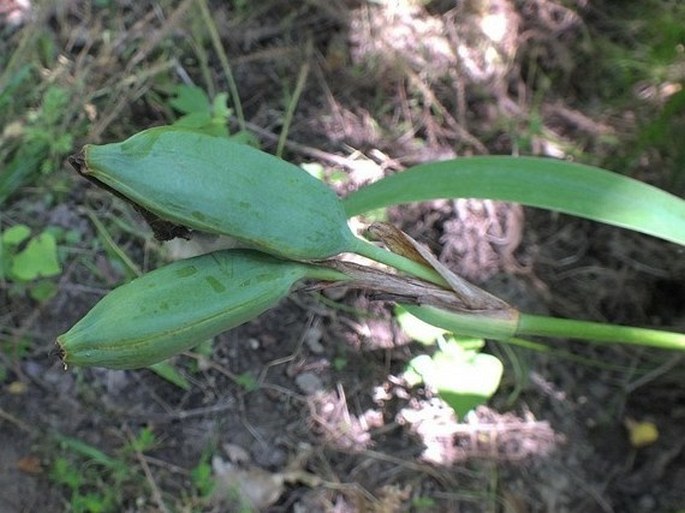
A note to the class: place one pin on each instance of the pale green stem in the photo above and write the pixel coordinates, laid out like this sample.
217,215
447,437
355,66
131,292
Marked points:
598,332
536,325
398,262
475,324
326,274
493,326
544,348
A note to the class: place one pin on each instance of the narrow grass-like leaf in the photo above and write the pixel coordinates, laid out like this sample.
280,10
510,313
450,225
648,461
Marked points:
576,189
167,371
88,451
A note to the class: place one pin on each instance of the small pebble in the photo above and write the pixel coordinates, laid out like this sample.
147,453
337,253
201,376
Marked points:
647,503
309,382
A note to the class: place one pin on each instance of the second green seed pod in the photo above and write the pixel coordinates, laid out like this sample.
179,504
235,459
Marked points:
175,307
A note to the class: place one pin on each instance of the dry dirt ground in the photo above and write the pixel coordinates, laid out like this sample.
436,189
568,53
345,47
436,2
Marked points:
304,409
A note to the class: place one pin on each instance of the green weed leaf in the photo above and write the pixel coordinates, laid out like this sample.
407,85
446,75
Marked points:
42,290
144,440
63,472
190,99
201,477
37,260
220,110
247,381
199,113
16,234
463,378
55,101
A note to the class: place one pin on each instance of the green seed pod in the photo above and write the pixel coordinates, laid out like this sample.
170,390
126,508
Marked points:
216,185
177,306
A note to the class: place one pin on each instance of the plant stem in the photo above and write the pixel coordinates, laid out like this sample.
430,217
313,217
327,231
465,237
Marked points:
398,262
535,325
560,353
492,325
326,274
598,332
495,327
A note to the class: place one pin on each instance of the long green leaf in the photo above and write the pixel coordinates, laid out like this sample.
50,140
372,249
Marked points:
576,189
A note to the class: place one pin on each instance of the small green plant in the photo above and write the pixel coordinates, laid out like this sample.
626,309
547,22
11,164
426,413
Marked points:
463,376
247,381
340,363
420,504
298,227
36,141
199,113
28,260
202,477
93,480
167,371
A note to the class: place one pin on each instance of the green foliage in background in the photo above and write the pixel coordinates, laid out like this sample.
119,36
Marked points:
93,479
636,65
35,141
199,113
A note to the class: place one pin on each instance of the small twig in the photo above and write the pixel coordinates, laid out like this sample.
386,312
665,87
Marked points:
287,358
432,100
126,95
19,423
654,373
156,494
294,100
593,492
169,467
151,42
303,149
179,415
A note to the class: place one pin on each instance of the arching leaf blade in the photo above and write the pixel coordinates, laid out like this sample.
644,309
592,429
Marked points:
567,187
